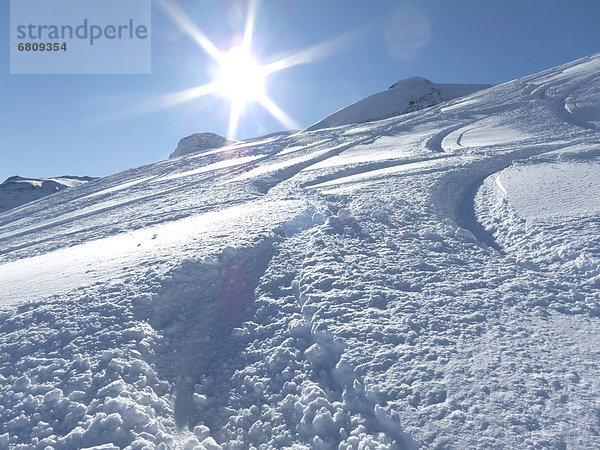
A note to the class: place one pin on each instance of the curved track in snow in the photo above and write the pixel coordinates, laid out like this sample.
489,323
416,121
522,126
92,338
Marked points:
434,143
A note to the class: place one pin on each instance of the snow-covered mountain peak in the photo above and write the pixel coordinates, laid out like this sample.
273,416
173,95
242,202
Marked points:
16,190
412,82
200,141
404,96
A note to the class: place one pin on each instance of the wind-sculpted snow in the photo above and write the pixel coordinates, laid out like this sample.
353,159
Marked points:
431,279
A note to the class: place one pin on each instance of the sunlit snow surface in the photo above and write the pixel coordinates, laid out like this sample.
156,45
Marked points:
553,189
430,279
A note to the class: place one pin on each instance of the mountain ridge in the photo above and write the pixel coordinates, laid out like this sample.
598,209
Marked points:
16,190
403,97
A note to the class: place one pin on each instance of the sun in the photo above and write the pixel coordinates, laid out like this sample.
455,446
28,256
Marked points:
240,77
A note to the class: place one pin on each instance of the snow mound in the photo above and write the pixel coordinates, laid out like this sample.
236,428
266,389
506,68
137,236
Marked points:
17,191
405,96
200,141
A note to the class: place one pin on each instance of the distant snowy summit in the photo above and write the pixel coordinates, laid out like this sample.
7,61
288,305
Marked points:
200,141
208,141
402,97
17,191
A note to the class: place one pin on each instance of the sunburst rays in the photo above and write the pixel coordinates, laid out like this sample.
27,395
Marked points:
238,102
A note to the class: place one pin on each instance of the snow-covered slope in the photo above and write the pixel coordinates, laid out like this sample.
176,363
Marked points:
409,281
198,142
16,191
402,97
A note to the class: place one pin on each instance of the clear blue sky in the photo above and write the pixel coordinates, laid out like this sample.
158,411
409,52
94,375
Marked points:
64,124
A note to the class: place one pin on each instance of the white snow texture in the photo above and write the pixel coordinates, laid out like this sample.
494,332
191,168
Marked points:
430,279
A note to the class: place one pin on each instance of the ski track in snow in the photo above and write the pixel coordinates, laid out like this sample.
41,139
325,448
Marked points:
435,142
368,286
